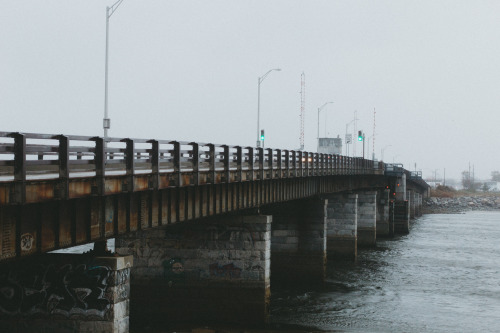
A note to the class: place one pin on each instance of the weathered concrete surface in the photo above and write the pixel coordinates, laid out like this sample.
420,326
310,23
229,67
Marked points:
298,241
401,217
66,293
367,218
342,234
209,270
383,217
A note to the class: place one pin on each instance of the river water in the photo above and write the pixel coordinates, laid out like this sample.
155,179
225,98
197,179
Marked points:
442,277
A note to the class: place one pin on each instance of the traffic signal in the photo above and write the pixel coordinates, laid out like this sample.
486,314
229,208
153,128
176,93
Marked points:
360,136
261,135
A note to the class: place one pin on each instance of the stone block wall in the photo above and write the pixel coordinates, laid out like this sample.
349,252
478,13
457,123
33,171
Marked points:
367,218
298,241
383,218
342,226
65,293
214,269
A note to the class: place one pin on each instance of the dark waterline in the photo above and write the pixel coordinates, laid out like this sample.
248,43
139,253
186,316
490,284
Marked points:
442,277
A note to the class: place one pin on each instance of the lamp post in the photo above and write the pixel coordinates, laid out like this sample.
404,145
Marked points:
319,110
382,152
259,81
106,122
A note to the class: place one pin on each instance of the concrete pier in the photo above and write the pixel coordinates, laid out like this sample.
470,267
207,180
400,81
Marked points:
66,293
401,217
342,234
367,218
210,270
383,217
298,241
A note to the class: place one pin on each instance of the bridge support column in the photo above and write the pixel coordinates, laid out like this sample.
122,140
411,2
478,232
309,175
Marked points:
383,218
401,217
65,293
411,198
342,235
418,204
367,218
211,270
298,241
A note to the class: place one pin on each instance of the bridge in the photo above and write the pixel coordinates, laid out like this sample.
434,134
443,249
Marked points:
196,225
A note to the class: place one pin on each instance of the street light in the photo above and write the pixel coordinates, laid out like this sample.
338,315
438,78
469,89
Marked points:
106,122
382,152
260,79
319,109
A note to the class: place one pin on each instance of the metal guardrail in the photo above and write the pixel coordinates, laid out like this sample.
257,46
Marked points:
28,157
25,156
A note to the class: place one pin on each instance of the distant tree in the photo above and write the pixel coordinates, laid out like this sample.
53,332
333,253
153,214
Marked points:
495,176
485,187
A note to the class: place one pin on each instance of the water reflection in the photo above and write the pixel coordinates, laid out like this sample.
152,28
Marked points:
442,277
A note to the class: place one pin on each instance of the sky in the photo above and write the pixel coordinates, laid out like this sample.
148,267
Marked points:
422,78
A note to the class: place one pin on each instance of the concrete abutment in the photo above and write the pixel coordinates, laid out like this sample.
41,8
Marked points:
210,270
66,293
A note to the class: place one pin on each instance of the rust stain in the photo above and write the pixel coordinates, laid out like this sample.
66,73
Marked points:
39,192
80,188
4,194
141,183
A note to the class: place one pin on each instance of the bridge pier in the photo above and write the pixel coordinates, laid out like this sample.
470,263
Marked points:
384,220
342,234
411,195
65,293
298,241
401,217
213,269
367,218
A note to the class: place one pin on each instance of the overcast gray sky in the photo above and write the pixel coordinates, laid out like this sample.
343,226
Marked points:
187,70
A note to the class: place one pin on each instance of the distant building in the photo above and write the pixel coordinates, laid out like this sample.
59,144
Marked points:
330,145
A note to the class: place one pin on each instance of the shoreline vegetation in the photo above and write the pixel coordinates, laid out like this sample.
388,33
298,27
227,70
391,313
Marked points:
446,200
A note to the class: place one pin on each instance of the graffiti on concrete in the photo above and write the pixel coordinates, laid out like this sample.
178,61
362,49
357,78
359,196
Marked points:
229,271
44,290
173,271
27,242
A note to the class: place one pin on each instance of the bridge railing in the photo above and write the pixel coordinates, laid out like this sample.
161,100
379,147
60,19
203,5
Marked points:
29,156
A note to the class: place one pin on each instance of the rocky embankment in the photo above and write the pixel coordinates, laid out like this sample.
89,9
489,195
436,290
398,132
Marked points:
460,204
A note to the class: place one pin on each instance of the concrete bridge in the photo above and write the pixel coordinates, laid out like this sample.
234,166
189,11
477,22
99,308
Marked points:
199,227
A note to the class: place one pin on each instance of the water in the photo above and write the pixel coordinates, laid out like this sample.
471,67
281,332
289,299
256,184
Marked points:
442,277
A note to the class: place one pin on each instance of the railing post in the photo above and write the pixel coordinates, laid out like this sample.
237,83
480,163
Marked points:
306,156
63,167
154,156
196,162
19,168
99,161
287,163
211,163
239,163
270,158
260,152
177,163
250,162
129,163
226,163
300,164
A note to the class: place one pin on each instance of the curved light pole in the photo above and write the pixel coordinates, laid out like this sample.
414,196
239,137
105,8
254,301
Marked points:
382,152
106,122
260,79
319,109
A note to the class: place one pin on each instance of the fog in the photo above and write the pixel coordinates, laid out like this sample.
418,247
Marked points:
188,70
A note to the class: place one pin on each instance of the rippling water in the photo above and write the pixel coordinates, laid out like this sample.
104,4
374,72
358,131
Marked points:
442,277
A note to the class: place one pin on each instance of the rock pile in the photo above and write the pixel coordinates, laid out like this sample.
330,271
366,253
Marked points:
460,204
